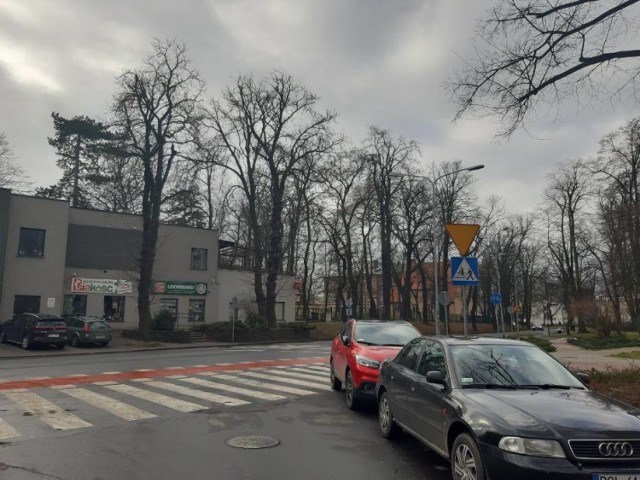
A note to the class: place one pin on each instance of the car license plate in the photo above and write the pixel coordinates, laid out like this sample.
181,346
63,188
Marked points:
100,337
54,334
616,476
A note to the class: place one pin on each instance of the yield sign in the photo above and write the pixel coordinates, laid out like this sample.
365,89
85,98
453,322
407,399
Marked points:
462,235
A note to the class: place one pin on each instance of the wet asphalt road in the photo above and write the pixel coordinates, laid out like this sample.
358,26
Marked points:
320,438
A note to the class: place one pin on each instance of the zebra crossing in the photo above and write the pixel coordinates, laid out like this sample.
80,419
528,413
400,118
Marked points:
85,403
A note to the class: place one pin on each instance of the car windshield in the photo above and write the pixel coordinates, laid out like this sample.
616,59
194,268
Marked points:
389,334
480,366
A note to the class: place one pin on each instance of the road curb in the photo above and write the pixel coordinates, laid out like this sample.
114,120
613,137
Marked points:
67,353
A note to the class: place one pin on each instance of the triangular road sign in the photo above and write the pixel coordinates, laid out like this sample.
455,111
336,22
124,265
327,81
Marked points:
464,273
462,235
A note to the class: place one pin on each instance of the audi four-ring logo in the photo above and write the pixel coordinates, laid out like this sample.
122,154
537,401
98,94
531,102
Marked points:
615,449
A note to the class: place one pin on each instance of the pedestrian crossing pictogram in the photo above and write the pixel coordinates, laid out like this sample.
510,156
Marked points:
464,271
49,404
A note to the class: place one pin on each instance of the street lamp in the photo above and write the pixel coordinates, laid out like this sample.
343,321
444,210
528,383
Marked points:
433,184
436,254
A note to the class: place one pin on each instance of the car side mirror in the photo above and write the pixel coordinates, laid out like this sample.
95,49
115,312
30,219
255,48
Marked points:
435,376
583,377
345,340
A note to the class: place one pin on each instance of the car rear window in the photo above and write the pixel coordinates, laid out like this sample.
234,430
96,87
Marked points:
98,325
51,323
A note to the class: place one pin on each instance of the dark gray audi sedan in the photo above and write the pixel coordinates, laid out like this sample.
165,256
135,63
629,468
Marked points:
505,409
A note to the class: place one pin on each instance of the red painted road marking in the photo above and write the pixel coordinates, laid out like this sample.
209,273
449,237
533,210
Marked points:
162,372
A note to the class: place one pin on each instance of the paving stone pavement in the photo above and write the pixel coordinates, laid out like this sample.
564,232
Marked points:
577,358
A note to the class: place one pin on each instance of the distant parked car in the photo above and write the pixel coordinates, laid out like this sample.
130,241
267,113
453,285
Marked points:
29,329
537,327
88,330
358,350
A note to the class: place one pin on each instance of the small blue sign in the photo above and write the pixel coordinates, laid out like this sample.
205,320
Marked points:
496,298
464,271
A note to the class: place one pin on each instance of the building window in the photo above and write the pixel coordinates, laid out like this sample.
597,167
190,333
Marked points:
74,306
170,305
26,304
114,308
31,242
199,258
279,307
196,310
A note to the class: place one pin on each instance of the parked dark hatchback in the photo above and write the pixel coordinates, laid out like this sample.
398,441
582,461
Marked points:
29,329
88,330
503,409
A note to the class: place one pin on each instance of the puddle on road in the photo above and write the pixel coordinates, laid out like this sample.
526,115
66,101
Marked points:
224,421
327,419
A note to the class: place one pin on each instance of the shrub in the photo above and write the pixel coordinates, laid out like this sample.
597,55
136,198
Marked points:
541,342
163,320
600,342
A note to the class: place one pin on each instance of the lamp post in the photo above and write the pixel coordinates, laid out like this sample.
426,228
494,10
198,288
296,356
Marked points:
436,242
434,225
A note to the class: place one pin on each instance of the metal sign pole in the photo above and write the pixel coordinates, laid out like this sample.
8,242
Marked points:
464,309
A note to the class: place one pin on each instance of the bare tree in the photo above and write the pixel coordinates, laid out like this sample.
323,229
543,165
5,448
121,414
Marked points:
268,128
11,174
388,160
157,106
618,166
566,200
415,209
532,51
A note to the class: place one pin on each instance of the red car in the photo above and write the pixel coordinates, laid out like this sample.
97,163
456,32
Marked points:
359,349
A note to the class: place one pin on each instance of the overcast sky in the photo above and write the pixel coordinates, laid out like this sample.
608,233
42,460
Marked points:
374,62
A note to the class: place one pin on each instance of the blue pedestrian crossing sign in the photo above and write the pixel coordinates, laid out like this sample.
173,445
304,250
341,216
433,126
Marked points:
464,271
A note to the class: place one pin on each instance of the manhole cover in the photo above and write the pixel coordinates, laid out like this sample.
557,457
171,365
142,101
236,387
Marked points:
252,441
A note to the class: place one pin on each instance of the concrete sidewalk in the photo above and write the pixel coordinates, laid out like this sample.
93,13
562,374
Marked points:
577,358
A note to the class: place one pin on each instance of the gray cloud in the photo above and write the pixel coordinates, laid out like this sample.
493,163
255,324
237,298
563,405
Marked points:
372,61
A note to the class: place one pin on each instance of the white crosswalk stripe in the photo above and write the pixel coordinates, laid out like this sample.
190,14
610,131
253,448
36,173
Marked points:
303,376
46,411
7,431
158,398
229,388
316,373
190,392
258,384
117,408
292,381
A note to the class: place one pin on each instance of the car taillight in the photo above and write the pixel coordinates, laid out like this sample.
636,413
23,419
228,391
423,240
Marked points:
39,328
86,328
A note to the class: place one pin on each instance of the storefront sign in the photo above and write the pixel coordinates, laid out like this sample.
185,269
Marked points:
180,288
105,286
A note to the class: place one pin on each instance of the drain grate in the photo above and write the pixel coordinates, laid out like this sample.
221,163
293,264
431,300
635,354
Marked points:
253,441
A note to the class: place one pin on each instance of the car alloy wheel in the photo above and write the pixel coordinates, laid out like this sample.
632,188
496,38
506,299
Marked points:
25,342
466,463
75,341
333,380
388,428
350,391
2,338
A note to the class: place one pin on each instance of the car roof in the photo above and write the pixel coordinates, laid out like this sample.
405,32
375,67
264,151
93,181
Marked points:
373,321
44,316
87,318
